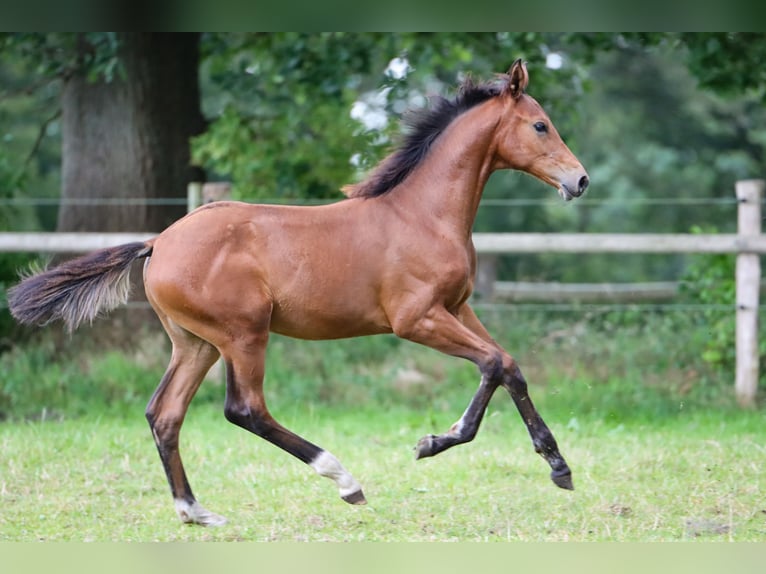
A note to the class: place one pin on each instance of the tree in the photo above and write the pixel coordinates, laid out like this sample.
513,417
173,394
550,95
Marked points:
129,105
280,104
127,136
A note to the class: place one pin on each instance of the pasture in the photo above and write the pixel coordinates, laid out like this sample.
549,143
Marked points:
698,478
658,451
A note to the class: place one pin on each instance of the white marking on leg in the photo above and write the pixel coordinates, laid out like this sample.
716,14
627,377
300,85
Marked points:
325,464
197,514
457,428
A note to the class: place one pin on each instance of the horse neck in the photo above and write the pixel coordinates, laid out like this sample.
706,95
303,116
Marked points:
447,187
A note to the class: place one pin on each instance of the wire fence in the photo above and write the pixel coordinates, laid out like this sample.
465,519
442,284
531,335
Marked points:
488,202
610,307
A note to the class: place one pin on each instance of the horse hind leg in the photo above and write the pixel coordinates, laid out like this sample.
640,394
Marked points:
191,359
246,408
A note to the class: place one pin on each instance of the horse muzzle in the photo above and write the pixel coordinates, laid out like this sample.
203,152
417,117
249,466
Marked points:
569,192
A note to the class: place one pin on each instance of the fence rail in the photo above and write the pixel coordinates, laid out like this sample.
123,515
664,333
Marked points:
486,243
526,292
75,242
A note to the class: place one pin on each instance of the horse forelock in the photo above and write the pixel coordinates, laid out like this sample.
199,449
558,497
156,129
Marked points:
423,128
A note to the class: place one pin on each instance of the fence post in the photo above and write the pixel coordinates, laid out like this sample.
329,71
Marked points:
193,195
486,276
748,279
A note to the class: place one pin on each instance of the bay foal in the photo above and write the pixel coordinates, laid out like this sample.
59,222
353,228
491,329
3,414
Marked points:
396,256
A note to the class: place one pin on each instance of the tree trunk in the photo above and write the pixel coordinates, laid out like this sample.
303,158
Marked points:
126,148
126,142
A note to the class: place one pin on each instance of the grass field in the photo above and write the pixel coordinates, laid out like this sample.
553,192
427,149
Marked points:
658,450
698,477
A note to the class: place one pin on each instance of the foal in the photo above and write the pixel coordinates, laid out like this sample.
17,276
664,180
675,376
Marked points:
396,256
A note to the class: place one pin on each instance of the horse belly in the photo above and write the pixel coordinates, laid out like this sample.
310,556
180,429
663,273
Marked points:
328,317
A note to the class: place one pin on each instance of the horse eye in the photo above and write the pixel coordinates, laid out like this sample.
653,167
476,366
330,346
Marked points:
540,127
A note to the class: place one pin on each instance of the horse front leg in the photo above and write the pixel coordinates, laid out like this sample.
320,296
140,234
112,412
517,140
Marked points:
542,438
464,430
463,335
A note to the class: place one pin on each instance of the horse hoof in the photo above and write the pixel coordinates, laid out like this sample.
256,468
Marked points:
563,479
355,498
425,447
195,513
211,519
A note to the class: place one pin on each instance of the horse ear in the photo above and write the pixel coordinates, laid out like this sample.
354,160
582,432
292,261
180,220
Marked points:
518,79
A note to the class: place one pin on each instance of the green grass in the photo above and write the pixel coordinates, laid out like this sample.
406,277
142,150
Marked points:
658,449
698,477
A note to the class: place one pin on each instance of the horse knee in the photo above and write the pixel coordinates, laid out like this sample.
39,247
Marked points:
508,373
494,367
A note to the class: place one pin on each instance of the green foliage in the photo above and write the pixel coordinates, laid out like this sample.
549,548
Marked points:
53,56
29,143
280,104
725,62
619,365
18,170
710,281
730,63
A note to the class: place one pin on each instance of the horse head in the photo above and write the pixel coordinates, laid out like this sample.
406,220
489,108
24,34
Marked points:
528,141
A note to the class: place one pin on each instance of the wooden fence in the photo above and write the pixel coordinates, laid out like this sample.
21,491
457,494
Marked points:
748,244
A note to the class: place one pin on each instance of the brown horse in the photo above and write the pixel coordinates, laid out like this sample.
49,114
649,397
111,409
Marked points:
395,257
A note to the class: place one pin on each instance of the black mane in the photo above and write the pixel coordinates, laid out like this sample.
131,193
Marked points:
424,127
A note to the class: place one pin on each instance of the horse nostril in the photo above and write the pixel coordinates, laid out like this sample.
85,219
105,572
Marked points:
583,183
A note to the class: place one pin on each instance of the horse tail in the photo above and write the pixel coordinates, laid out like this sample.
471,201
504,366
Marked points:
79,289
